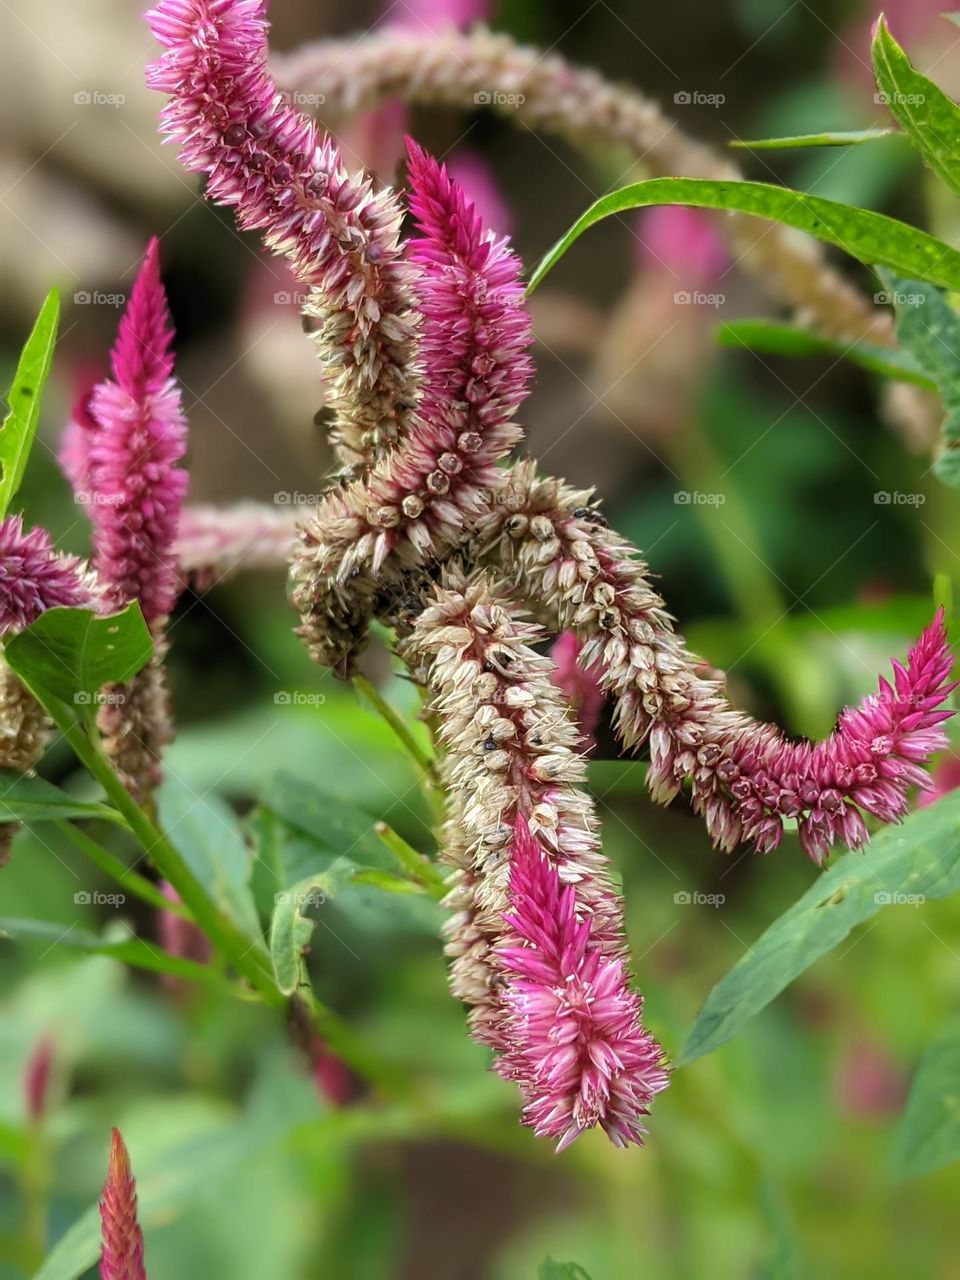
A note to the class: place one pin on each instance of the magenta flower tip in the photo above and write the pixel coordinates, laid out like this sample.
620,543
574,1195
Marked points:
581,687
37,1078
33,577
121,1255
571,1035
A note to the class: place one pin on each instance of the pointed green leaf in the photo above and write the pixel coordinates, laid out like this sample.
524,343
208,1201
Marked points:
929,330
291,930
830,138
928,1135
869,237
23,400
206,832
550,1270
772,339
929,118
903,865
26,799
69,654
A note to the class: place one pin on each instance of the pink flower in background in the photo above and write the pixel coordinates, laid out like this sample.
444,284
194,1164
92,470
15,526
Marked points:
180,937
867,1081
579,687
136,488
682,242
436,15
944,779
37,1078
33,577
571,1025
121,1256
330,1076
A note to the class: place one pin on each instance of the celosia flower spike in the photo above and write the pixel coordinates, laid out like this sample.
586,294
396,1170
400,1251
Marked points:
571,1024
342,238
136,486
121,1257
33,577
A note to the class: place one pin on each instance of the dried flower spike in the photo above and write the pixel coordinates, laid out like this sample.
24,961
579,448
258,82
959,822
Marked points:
121,1257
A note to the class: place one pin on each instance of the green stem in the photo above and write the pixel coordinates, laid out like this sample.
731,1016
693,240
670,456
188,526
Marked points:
416,864
413,748
112,866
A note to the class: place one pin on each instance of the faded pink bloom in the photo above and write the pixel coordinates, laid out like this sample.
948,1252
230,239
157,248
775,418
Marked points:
571,1026
437,15
121,1257
136,487
682,242
37,1078
330,1075
579,687
867,1081
33,577
180,937
944,779
213,543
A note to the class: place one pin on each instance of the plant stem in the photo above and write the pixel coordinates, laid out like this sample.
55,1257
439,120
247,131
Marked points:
111,865
413,862
427,766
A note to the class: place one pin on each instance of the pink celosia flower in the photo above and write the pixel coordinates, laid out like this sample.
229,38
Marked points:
136,487
437,15
121,1257
330,1075
33,577
469,169
180,937
571,1026
580,687
867,1081
37,1077
266,158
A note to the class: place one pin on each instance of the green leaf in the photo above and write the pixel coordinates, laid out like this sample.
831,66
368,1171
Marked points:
929,118
928,1135
207,834
25,799
773,339
919,859
128,950
929,329
291,930
23,400
550,1270
339,826
829,138
69,654
869,237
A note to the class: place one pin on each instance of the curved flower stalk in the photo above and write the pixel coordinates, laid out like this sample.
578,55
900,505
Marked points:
121,1256
543,91
340,236
122,453
746,777
33,578
511,750
422,498
213,543
574,1042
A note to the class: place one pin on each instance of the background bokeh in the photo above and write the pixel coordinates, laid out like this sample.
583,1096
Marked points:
755,487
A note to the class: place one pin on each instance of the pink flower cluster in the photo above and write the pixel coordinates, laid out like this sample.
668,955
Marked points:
571,1031
33,577
122,451
121,1257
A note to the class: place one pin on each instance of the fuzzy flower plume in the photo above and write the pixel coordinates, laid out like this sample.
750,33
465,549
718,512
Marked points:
136,487
421,498
574,1040
746,777
213,543
121,1256
342,238
511,752
33,577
